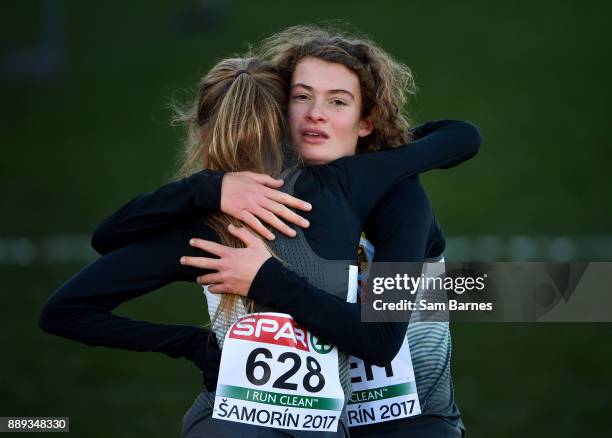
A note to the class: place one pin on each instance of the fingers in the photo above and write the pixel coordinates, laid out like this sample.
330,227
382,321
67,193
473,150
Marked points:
219,288
211,279
243,234
266,180
283,212
249,219
208,246
202,263
288,200
270,218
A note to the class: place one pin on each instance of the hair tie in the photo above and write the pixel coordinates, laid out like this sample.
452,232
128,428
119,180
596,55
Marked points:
239,72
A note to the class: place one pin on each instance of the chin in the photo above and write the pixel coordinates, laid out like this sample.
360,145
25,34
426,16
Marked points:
312,156
314,161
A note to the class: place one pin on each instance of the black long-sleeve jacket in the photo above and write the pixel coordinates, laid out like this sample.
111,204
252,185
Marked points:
143,242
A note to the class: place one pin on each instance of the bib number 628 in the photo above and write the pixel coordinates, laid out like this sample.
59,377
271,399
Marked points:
313,380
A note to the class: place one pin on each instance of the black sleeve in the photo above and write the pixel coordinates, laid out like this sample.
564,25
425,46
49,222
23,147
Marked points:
400,231
326,315
440,144
82,308
437,241
149,214
402,227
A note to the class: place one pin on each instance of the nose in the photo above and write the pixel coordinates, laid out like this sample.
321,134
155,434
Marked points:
315,112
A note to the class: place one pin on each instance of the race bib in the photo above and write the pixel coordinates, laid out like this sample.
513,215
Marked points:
275,373
383,393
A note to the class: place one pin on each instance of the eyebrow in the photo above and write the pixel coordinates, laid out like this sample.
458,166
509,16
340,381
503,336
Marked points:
335,91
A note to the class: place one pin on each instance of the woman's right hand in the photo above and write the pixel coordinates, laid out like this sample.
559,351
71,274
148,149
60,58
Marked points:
235,268
253,198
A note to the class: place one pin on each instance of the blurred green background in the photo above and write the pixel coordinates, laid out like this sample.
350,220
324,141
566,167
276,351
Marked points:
84,126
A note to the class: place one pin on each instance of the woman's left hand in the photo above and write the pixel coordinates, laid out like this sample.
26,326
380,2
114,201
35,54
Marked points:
236,267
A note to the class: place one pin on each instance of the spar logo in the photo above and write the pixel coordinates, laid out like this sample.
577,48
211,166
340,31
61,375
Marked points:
270,329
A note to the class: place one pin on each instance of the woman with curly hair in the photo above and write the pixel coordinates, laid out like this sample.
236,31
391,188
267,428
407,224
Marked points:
385,85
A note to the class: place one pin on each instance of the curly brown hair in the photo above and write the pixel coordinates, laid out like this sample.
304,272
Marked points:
385,83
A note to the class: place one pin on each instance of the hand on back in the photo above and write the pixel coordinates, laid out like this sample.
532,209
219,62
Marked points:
253,198
235,268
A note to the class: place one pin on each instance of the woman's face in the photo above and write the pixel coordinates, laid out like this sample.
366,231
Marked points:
325,111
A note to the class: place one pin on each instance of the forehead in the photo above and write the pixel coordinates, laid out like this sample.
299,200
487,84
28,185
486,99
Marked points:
322,76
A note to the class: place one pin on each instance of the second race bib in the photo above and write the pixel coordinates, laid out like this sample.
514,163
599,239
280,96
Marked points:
383,393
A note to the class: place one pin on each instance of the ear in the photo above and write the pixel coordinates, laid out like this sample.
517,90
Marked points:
365,127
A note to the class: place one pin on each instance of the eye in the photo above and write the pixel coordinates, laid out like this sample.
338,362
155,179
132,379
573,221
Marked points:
338,102
299,97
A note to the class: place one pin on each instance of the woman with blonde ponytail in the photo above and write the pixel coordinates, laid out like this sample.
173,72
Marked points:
237,127
223,139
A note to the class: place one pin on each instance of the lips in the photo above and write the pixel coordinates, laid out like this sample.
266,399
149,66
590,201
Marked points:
314,136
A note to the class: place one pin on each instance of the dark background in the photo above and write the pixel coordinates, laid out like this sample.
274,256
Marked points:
84,126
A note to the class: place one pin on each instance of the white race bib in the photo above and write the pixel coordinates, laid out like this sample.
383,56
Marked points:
383,393
275,373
